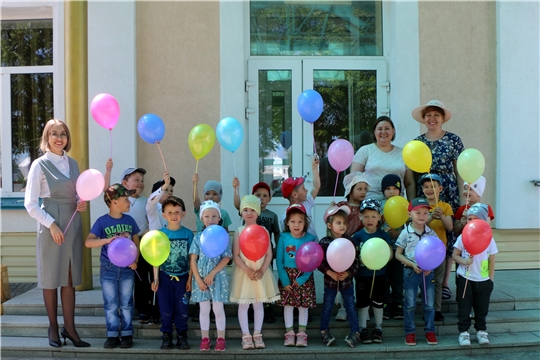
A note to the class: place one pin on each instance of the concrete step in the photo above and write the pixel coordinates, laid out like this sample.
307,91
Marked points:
392,347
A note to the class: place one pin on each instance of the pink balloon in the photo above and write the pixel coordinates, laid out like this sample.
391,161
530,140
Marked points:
105,110
340,154
340,254
90,184
309,256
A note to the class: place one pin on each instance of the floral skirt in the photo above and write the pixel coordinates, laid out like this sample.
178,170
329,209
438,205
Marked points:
298,296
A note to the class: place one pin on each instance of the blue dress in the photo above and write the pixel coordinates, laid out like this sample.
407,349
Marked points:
219,290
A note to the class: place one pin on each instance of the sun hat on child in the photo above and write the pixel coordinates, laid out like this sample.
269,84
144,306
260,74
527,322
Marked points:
352,179
215,186
209,204
478,186
417,112
250,202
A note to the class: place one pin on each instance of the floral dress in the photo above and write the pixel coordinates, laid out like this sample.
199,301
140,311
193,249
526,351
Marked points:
445,151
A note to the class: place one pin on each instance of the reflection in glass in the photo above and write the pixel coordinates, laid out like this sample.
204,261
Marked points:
27,42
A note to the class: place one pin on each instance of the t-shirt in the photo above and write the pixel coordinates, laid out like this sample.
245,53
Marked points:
479,269
286,256
308,204
459,212
107,227
177,263
225,219
154,211
359,239
436,224
138,212
269,220
408,239
378,164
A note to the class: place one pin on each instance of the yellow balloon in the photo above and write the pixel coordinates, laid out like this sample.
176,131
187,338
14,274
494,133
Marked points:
417,156
155,247
396,211
201,140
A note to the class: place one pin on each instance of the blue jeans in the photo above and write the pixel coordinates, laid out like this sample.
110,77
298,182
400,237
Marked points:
117,287
411,282
348,303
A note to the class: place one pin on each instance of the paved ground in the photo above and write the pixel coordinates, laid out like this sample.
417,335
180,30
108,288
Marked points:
17,289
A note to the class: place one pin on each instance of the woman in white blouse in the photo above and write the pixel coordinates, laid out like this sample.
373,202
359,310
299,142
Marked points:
52,177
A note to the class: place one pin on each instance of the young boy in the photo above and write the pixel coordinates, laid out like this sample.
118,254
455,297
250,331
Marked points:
293,189
212,191
476,273
173,284
161,191
393,302
440,221
412,274
365,282
473,194
116,283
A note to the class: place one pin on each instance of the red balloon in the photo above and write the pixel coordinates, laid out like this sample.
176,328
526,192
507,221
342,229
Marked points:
254,242
476,236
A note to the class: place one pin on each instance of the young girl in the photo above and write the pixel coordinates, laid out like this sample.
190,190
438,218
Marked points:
210,280
297,288
251,283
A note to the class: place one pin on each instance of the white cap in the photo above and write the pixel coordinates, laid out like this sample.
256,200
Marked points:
478,186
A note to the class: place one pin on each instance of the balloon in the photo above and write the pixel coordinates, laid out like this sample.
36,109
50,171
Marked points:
286,139
375,253
310,105
230,133
417,156
396,211
155,247
151,128
476,236
201,140
254,242
309,256
214,241
470,165
340,154
340,254
105,110
90,184
122,252
429,253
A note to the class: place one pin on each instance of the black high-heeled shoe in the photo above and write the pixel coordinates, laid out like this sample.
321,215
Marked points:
80,343
53,343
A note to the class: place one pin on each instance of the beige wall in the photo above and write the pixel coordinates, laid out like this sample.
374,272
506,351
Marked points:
178,79
458,67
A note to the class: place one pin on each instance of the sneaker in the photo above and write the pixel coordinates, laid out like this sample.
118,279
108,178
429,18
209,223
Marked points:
471,315
410,339
438,316
341,314
126,342
386,315
364,336
431,338
327,337
221,345
144,319
166,342
482,337
182,341
376,336
352,339
155,319
111,342
398,312
290,338
258,341
464,339
301,339
205,344
269,317
247,342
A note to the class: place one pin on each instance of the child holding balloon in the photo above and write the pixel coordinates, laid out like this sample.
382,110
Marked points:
474,276
213,191
161,191
251,283
210,280
297,287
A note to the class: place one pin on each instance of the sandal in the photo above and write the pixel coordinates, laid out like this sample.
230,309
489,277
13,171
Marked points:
446,293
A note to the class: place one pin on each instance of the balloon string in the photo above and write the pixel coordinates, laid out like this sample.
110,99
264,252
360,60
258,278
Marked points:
434,191
162,158
466,282
70,220
335,187
234,164
110,137
372,283
289,292
154,301
314,143
337,302
195,185
138,275
425,293
467,198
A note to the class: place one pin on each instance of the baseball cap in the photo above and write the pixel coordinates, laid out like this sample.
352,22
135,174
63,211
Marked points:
298,207
427,177
334,209
290,184
391,180
259,185
478,186
479,210
370,204
116,191
131,170
160,183
173,200
209,204
418,203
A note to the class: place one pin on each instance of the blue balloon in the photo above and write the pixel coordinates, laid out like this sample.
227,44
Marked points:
151,128
230,133
310,105
214,241
286,139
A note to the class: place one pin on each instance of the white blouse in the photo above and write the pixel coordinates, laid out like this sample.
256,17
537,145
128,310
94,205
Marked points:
37,187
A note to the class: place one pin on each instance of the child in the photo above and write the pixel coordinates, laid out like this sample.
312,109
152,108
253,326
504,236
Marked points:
412,274
251,282
173,284
297,288
473,194
293,189
335,219
212,191
393,304
440,221
479,270
210,280
161,191
116,282
369,289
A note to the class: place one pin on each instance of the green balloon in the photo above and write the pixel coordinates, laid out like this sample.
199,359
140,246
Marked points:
155,247
375,253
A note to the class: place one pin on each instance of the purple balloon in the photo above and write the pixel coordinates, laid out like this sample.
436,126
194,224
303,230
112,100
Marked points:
309,256
214,241
429,253
122,252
